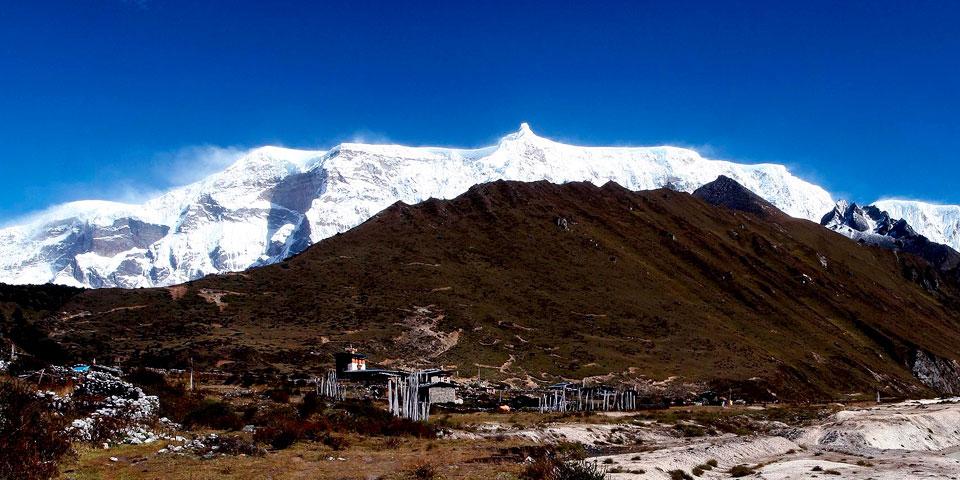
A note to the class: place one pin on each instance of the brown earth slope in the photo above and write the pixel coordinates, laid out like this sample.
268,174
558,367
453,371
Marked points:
538,282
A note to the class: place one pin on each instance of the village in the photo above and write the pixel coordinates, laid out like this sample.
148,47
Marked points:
143,421
412,394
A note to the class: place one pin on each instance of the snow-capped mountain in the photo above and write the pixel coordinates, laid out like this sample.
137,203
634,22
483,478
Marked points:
939,223
873,226
274,202
865,224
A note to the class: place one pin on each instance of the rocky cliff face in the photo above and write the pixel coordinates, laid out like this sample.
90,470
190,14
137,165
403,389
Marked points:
872,226
274,202
940,374
726,192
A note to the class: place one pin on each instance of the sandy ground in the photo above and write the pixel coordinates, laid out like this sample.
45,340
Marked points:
917,439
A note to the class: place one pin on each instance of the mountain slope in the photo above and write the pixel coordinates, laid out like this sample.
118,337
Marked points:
274,202
538,282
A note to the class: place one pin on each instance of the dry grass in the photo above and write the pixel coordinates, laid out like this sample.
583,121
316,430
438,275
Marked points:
366,458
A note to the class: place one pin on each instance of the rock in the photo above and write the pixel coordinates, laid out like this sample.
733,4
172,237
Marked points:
114,459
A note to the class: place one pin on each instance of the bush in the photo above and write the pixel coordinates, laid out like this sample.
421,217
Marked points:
579,470
679,475
700,469
175,402
740,471
365,418
336,442
32,441
278,437
281,428
310,404
425,471
553,468
278,395
214,414
690,430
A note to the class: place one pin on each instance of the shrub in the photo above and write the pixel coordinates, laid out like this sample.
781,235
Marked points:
679,475
175,402
740,471
699,469
280,431
391,443
713,463
278,395
365,418
214,414
309,405
579,470
32,441
425,471
278,437
552,468
234,445
336,442
690,430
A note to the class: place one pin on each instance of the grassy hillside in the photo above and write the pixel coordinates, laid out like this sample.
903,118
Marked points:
537,282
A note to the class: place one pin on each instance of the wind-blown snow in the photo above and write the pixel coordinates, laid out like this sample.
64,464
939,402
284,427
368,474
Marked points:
939,223
274,202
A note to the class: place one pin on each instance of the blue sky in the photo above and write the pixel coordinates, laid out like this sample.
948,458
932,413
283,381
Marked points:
117,99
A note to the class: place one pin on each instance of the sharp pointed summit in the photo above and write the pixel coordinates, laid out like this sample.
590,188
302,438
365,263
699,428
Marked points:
727,192
524,133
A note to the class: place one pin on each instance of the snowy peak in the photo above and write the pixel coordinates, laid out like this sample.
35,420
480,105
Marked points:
872,226
939,223
273,202
867,219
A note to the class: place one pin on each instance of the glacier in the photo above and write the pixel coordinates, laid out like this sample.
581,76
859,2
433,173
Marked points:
274,202
939,223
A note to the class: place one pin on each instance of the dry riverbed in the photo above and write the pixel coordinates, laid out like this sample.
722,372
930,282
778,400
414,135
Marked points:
917,439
